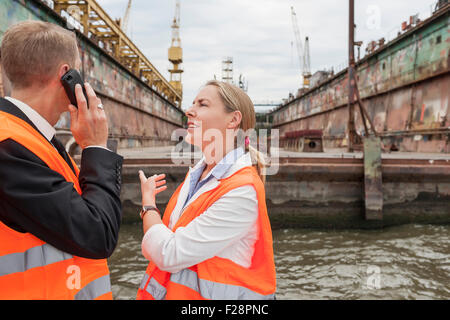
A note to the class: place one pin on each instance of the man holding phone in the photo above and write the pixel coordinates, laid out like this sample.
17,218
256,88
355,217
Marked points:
57,224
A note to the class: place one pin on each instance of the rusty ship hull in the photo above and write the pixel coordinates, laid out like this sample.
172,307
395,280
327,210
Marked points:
404,85
140,113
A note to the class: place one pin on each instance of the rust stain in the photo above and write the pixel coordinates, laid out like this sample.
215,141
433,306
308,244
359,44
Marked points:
137,115
423,112
405,87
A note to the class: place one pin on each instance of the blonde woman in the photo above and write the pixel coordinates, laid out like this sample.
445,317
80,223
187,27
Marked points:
215,240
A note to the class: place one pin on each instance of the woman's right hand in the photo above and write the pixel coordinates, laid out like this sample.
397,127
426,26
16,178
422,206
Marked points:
150,187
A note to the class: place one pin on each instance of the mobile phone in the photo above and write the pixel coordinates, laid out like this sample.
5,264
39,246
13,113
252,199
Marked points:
69,80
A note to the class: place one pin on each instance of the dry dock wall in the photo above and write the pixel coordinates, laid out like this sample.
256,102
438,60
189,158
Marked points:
311,194
138,116
404,86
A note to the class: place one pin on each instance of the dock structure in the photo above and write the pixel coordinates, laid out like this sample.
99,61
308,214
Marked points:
143,108
404,85
318,190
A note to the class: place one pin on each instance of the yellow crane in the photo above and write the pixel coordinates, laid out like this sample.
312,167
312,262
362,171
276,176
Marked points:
98,26
306,65
303,53
176,52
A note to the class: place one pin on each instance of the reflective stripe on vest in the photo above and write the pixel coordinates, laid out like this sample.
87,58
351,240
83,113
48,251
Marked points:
34,257
29,267
217,278
95,289
157,290
215,290
44,255
144,281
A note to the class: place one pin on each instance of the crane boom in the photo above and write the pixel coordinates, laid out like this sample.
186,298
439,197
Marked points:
298,40
306,65
176,41
303,53
176,52
126,17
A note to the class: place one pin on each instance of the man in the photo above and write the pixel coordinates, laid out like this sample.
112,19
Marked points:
57,224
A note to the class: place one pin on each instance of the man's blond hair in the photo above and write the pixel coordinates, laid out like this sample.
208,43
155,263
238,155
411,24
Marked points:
32,51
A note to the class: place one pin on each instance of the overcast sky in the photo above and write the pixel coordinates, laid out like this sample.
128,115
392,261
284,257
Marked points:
258,35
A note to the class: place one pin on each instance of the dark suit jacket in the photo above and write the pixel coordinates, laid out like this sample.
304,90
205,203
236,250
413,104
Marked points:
38,200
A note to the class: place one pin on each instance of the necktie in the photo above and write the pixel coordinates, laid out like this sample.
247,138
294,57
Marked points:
62,151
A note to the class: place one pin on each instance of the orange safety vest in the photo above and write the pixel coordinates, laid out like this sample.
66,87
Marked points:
217,278
31,269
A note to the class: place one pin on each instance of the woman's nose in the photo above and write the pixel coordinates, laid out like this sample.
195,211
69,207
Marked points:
191,112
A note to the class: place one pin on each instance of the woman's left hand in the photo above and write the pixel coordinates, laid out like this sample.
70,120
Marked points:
150,187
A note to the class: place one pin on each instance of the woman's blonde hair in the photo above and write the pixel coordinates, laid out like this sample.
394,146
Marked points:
235,99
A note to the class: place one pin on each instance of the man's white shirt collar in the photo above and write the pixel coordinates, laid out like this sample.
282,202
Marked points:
41,124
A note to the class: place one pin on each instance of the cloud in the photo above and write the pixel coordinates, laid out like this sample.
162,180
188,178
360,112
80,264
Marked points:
258,35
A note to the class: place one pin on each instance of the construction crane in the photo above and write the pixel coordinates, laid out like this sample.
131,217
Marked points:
243,84
124,22
227,70
306,64
303,54
98,26
176,52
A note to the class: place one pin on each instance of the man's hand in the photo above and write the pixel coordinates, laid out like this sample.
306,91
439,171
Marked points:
89,126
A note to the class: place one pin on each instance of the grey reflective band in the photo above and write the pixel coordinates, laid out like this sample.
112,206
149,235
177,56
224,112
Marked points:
144,281
216,290
45,255
156,289
32,258
94,289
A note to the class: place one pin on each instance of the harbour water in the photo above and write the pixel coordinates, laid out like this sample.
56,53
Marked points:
402,262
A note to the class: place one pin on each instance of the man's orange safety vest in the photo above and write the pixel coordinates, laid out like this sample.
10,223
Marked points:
31,269
217,278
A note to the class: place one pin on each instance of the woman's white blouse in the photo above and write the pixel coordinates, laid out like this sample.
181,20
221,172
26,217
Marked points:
227,229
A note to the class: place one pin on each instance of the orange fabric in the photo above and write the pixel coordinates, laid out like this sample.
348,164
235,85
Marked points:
106,296
49,281
259,278
177,291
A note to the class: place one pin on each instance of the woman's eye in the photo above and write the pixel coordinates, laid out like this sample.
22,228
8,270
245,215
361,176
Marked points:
203,105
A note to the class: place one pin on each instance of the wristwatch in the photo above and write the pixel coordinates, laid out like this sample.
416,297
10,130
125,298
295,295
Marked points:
145,209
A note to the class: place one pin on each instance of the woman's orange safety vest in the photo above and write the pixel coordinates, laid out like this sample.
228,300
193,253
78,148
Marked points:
217,278
31,269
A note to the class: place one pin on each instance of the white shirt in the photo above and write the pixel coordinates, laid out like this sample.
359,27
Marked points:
227,229
41,124
39,121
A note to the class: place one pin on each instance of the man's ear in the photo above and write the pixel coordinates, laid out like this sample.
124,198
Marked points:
235,120
63,69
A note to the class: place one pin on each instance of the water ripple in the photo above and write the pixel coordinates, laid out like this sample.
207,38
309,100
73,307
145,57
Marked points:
405,262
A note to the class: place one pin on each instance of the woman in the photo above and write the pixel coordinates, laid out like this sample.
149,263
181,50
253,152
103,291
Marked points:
215,240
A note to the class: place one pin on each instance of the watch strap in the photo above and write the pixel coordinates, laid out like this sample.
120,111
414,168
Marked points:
145,209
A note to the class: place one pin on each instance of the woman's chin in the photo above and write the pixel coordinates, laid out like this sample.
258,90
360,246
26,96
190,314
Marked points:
189,138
